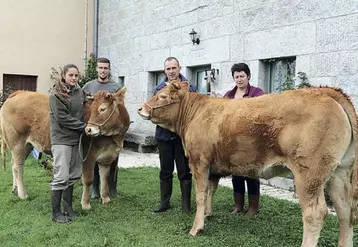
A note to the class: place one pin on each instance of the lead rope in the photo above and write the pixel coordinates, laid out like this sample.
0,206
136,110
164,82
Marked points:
81,149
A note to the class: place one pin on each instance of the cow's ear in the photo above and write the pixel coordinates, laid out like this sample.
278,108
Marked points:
89,99
120,94
176,85
185,85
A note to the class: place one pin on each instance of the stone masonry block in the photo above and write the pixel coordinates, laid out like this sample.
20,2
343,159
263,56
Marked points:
330,8
348,83
174,37
322,81
218,27
154,59
237,47
303,63
287,12
337,34
256,19
334,63
282,41
248,4
191,55
158,41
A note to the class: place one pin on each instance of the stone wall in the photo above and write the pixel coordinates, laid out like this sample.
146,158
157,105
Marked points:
138,35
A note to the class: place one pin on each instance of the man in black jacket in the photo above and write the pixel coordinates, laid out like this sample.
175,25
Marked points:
171,149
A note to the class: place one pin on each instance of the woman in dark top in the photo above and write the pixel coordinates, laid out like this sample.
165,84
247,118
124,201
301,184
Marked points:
66,125
241,75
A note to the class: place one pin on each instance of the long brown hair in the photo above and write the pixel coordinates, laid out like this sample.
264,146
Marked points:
59,86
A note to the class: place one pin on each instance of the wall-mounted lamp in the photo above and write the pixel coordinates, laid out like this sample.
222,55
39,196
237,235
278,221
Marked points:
194,37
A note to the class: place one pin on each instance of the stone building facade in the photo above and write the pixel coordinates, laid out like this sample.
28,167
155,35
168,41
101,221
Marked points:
277,38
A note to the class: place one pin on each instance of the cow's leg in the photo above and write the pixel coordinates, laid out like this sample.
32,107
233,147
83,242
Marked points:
19,153
212,186
309,188
14,183
201,178
103,174
338,189
87,179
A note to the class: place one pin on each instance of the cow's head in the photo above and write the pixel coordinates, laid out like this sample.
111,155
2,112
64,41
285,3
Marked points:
108,116
163,108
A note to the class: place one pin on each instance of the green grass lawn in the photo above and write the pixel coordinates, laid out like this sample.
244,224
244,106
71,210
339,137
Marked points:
128,221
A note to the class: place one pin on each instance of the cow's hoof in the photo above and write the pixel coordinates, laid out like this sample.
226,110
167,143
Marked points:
193,232
207,215
106,200
23,196
86,206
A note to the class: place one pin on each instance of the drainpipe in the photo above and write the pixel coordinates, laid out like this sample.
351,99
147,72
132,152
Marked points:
85,39
95,28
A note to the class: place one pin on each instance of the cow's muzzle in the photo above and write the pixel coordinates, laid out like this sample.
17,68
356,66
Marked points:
143,114
149,115
92,131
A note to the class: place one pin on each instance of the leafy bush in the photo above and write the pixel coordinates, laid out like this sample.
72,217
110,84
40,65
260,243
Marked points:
4,94
290,82
90,70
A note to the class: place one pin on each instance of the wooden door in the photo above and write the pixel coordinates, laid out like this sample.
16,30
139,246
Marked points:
12,83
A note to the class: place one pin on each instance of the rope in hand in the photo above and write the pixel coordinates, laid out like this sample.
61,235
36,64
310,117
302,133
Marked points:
80,147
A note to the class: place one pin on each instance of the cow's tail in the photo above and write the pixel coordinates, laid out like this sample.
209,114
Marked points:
3,144
343,99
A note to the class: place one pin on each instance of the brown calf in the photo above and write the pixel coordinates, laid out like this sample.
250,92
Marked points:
25,124
313,132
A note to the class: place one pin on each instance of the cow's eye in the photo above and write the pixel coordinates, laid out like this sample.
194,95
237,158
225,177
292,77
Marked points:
162,96
102,109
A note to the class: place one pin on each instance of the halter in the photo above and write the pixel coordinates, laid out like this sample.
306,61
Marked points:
152,108
100,125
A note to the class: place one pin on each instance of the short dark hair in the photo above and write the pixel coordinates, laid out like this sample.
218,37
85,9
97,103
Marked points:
170,59
103,60
238,67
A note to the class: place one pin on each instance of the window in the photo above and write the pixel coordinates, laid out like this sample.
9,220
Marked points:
155,78
279,74
159,77
199,75
121,81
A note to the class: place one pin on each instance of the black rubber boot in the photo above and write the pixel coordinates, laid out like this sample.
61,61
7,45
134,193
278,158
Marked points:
67,198
95,184
253,205
57,216
112,179
185,187
166,187
239,200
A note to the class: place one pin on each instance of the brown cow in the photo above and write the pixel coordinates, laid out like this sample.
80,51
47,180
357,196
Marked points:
25,124
313,132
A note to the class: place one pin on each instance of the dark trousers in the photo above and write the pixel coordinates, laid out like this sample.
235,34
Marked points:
253,185
170,151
